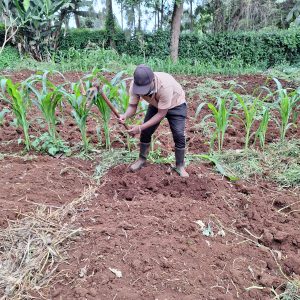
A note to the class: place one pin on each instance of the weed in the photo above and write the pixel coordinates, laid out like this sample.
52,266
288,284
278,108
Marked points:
279,162
112,158
292,292
46,143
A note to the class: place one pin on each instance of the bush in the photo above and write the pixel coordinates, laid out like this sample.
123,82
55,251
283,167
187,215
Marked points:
268,48
9,57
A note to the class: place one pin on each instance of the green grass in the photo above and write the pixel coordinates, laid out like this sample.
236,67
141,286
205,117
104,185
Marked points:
285,72
280,162
210,88
114,157
86,59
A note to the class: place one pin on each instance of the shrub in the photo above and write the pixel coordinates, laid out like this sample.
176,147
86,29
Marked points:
9,57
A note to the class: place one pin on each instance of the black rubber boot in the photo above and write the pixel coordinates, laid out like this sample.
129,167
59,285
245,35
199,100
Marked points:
179,157
144,151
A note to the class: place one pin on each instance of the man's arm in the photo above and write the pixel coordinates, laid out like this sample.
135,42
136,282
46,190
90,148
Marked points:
155,119
131,110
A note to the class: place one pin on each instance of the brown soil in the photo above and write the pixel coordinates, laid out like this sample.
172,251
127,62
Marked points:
35,180
143,224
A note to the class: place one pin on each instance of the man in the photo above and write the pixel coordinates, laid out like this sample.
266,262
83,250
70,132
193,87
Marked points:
166,98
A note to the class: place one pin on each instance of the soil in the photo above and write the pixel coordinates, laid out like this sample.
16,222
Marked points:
148,224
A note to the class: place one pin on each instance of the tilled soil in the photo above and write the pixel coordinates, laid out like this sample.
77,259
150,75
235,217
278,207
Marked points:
30,181
144,224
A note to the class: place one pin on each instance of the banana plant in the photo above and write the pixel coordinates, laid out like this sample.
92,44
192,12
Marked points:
40,23
17,96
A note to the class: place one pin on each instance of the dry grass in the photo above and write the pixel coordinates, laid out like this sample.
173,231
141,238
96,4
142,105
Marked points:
32,247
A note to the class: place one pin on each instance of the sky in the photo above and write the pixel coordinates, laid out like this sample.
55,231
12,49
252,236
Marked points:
117,12
147,26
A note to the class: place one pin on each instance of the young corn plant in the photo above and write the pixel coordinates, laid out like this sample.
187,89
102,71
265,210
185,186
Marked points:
17,96
285,104
81,107
250,110
105,115
47,99
115,90
220,113
263,127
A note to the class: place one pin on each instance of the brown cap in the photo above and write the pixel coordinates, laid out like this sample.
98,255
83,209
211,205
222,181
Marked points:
143,77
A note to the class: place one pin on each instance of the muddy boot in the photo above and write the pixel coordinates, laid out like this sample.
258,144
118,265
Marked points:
144,150
179,156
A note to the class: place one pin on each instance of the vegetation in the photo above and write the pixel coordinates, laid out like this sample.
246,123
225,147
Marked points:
48,98
229,37
278,162
81,107
250,111
17,97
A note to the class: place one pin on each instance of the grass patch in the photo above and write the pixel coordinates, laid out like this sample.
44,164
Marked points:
211,88
112,158
280,162
86,59
285,72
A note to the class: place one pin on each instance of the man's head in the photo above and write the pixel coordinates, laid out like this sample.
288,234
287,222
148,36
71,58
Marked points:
142,80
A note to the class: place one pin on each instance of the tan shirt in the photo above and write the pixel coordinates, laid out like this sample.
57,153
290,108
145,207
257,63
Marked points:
168,93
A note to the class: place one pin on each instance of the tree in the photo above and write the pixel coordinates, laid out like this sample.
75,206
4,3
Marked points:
110,23
175,29
39,24
11,27
83,8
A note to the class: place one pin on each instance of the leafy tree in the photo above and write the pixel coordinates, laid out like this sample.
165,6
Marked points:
39,24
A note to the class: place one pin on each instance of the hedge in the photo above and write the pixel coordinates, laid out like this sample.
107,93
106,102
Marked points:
264,47
269,48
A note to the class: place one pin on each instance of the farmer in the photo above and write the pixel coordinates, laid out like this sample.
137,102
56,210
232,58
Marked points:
166,98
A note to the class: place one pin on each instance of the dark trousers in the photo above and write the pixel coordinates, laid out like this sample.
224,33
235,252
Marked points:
176,118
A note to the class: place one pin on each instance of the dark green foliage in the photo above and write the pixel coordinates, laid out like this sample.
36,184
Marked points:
9,57
2,32
266,48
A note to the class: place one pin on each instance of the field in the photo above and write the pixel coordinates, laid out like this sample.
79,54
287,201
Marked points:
230,231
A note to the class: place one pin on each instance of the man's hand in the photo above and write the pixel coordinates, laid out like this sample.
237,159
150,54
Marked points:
122,118
134,130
